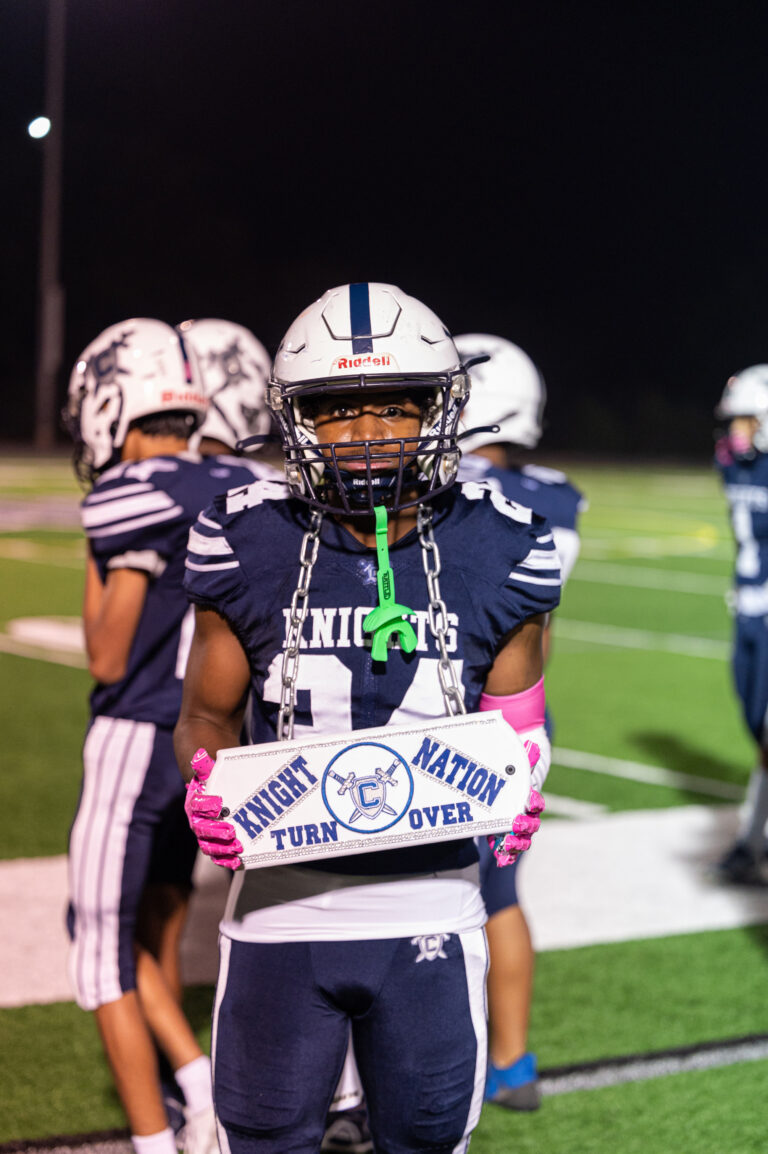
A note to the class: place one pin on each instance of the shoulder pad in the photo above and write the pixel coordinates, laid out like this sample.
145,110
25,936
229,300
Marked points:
545,475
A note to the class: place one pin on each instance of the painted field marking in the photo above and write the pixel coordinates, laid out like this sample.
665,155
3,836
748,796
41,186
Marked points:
647,774
20,549
624,637
634,875
636,576
572,808
54,656
611,878
641,1067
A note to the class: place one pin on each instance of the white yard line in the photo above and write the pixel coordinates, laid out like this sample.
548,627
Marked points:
571,808
624,637
640,577
55,656
648,774
597,1077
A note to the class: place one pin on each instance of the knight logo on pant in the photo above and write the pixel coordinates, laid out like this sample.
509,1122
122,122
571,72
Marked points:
330,795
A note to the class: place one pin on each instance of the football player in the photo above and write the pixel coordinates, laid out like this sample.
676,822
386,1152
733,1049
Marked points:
367,388
503,421
742,459
135,398
234,368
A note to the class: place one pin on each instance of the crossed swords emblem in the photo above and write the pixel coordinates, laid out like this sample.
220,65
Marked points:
369,793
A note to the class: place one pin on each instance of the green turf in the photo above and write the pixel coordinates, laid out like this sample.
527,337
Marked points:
647,705
43,720
54,1077
37,590
710,1112
590,1003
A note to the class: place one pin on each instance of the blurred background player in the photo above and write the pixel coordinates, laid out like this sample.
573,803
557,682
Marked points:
367,389
508,392
135,398
234,367
742,458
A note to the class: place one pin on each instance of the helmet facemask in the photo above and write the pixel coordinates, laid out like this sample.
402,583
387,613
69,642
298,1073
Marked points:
397,472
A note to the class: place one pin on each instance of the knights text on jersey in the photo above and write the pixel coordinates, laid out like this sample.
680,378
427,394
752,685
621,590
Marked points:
138,516
746,488
547,491
498,568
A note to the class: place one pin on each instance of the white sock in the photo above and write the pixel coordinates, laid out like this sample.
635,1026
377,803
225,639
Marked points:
164,1142
195,1083
755,812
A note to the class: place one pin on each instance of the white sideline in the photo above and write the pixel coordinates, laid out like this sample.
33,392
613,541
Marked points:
608,879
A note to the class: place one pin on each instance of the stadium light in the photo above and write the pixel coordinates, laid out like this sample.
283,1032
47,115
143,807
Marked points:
39,127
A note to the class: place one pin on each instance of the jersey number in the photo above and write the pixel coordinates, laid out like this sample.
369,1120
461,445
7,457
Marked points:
329,682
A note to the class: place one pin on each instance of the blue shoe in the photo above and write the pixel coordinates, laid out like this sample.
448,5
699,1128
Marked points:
516,1086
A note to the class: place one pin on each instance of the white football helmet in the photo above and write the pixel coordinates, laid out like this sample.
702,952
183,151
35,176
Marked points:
746,395
134,369
507,390
234,366
363,337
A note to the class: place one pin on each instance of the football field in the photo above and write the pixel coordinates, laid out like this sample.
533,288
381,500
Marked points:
650,1017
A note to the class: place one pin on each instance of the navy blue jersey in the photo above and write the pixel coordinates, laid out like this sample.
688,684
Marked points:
233,470
138,516
746,488
499,567
547,491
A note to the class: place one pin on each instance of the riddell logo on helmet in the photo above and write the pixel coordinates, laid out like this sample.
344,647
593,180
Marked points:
368,361
170,397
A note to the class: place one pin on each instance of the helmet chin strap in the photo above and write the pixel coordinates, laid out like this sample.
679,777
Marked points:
388,618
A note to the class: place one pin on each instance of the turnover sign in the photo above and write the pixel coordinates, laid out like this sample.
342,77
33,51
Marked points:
373,789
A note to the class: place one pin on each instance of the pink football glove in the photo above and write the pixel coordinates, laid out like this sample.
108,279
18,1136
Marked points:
217,839
507,846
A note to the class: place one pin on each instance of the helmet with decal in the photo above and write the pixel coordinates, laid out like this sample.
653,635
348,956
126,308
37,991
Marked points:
507,390
364,339
135,369
746,395
234,367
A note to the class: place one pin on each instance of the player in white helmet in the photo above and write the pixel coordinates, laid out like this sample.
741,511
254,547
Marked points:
135,399
742,459
503,423
367,389
234,368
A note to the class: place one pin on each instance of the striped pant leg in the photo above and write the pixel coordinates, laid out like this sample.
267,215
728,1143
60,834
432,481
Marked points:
103,900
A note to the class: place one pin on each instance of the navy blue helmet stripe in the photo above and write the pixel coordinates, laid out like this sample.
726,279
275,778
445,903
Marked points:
360,318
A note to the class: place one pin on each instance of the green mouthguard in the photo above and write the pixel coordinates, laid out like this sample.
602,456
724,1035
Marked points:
388,617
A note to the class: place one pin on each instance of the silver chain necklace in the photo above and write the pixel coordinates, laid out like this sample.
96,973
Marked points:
453,695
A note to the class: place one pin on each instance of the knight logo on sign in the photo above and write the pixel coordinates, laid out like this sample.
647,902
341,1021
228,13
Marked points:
375,779
338,794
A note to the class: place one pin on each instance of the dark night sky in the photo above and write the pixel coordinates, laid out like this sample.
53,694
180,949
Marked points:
583,178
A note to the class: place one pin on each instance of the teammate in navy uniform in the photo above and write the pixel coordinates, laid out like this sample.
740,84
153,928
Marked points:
367,389
134,400
742,458
503,421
